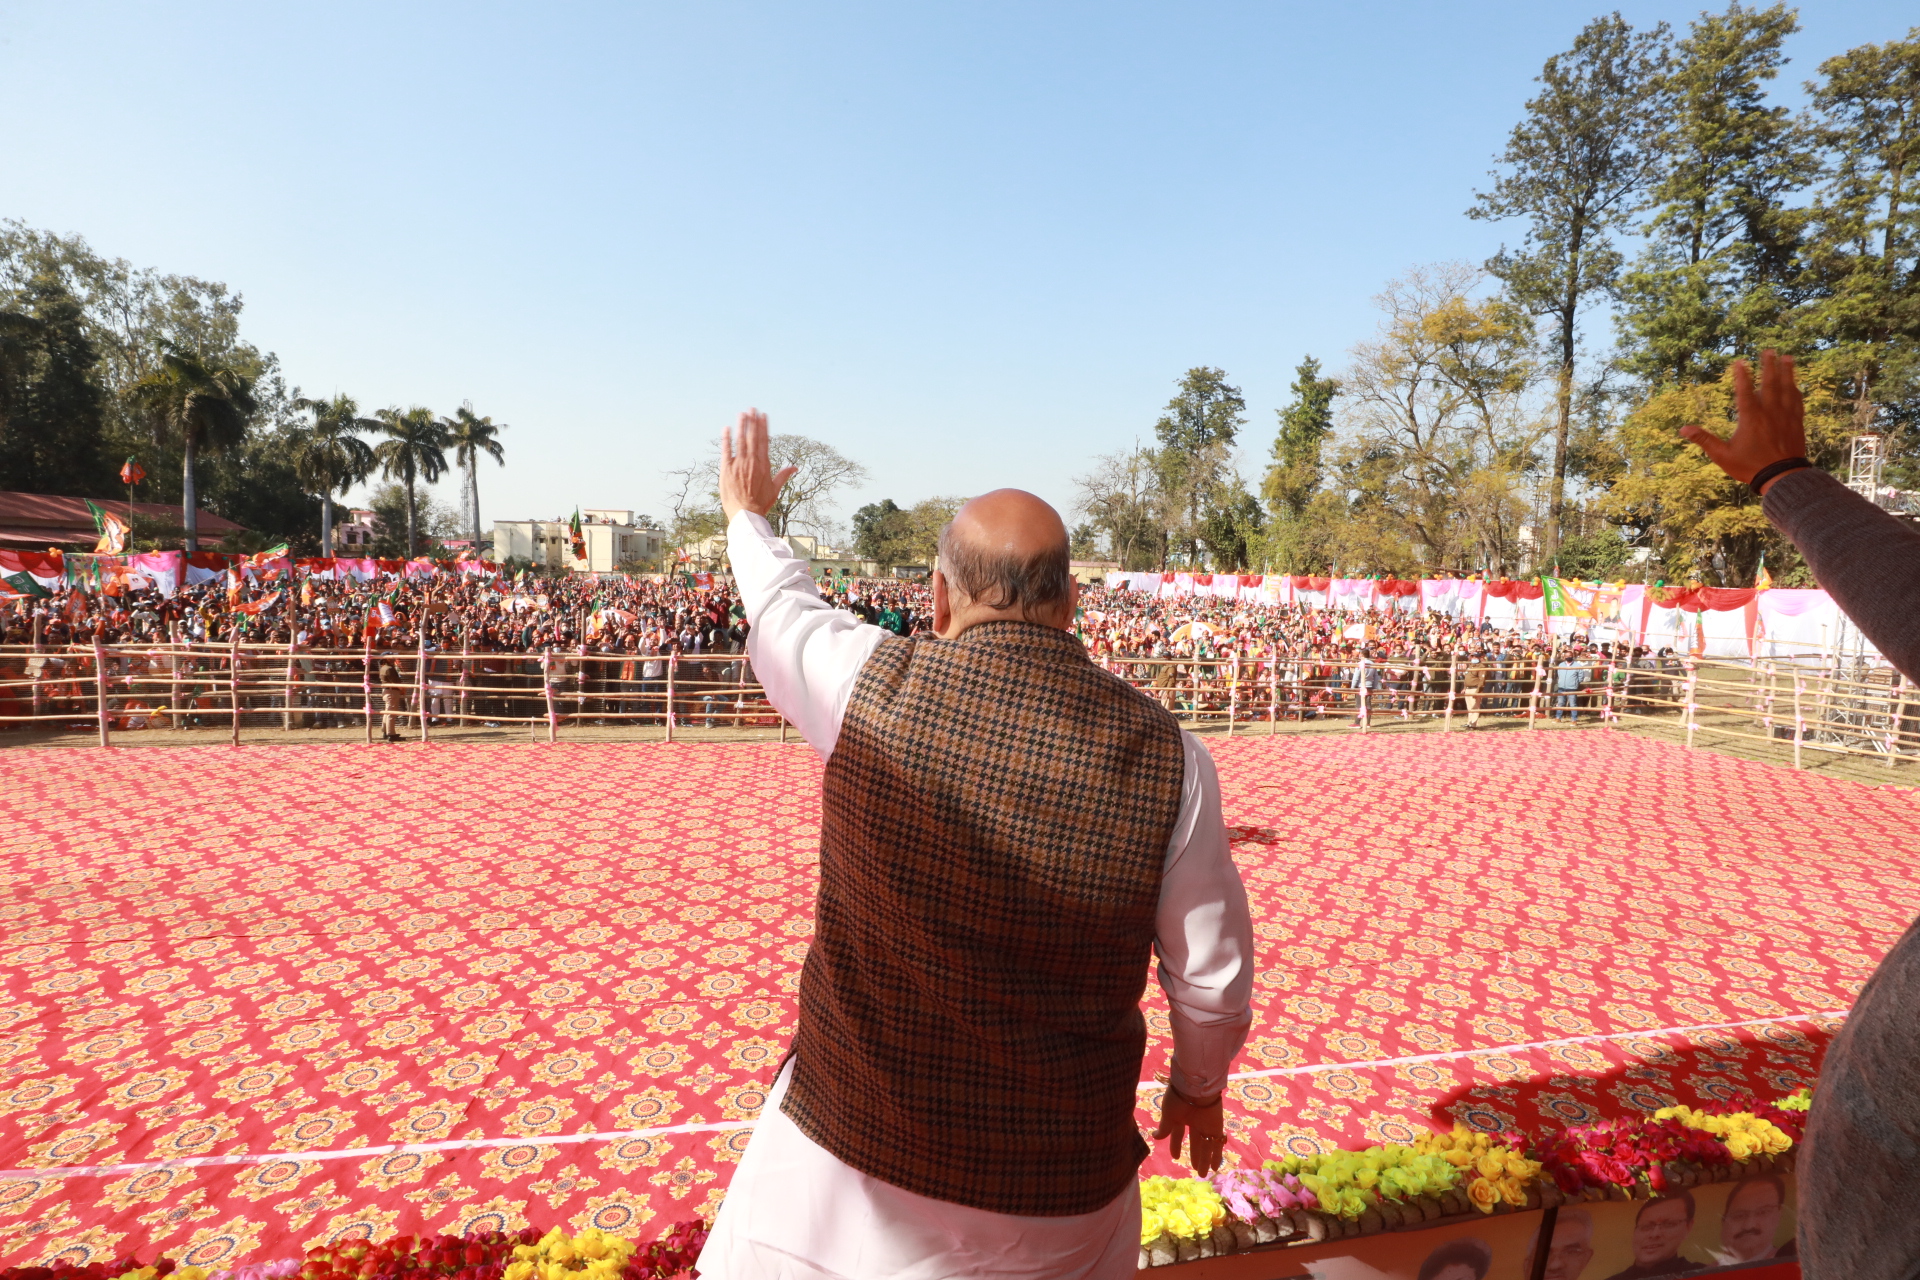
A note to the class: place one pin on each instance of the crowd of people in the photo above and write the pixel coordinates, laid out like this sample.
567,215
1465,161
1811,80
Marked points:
501,649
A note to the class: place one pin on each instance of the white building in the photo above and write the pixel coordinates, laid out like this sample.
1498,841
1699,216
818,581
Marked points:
615,543
354,535
711,553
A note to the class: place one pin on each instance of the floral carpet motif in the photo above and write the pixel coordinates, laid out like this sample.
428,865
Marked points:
569,971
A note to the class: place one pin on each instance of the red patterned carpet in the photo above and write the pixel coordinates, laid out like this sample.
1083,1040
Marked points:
230,972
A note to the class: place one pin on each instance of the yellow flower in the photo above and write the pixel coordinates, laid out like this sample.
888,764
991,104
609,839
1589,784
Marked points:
1514,1192
1490,1165
519,1269
1484,1194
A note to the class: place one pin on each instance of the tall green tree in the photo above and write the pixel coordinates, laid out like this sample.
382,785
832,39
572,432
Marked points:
415,450
1196,432
472,436
200,405
881,532
1305,423
1573,169
1297,468
1723,235
1863,251
52,419
329,455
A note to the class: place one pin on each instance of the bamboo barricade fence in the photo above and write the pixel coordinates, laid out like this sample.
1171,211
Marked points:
116,690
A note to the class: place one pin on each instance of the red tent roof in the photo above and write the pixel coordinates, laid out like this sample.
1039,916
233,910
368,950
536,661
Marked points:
41,520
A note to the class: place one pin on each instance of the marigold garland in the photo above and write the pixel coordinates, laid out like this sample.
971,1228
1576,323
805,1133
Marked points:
1500,1170
1745,1134
1184,1208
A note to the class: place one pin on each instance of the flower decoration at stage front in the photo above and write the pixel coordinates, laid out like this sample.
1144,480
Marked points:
1348,1183
119,1269
1498,1170
671,1254
474,1257
1799,1100
1745,1134
591,1255
1627,1153
1261,1193
1791,1121
1184,1208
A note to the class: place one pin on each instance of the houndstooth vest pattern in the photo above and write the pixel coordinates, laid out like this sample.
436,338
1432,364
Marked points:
996,819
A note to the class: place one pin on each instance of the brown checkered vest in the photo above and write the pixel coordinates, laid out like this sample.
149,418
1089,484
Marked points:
997,814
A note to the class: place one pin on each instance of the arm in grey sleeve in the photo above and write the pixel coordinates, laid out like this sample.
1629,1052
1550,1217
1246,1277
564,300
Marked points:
1867,559
1204,936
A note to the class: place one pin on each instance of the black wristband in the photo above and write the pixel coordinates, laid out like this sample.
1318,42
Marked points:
1773,469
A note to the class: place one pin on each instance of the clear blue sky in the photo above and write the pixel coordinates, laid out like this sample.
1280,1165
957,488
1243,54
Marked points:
969,244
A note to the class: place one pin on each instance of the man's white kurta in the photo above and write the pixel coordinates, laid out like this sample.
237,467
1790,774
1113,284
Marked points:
794,1209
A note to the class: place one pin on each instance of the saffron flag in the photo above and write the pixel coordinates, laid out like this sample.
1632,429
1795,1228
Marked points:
1762,580
131,473
579,537
112,530
1562,600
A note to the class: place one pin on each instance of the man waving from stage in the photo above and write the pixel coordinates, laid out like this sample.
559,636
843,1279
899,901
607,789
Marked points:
1008,833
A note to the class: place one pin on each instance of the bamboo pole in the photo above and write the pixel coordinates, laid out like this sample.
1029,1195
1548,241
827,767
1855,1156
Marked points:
286,696
1533,699
421,688
233,682
1453,683
546,685
366,683
100,691
1692,707
1896,703
1799,717
1363,695
466,662
673,668
1233,691
1273,695
175,658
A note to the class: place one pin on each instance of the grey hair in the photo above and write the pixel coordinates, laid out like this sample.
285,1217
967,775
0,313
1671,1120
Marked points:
1002,581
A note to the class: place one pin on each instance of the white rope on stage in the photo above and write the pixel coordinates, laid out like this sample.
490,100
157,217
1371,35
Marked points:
616,1135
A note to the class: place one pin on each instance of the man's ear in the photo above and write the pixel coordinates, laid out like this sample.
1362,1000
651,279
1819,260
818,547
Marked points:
942,604
1073,604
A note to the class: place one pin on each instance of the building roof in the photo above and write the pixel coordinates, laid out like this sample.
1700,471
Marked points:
41,520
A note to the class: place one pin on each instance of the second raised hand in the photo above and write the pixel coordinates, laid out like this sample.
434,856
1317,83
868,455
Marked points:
747,482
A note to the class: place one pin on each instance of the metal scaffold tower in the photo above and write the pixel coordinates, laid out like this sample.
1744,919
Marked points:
1863,472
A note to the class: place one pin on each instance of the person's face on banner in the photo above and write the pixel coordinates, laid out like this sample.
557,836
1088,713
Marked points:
1660,1231
1570,1250
1751,1220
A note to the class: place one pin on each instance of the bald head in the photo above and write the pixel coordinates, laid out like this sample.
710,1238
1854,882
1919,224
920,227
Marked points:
1006,552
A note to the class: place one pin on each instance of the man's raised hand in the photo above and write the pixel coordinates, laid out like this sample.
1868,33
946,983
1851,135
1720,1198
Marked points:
1771,416
747,482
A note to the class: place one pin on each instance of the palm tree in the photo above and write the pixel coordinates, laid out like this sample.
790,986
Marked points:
471,435
199,403
414,450
331,457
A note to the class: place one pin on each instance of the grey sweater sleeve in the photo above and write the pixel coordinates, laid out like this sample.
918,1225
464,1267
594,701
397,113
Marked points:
1859,1200
1867,559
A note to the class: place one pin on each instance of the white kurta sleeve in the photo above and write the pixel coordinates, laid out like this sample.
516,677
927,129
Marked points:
1204,935
806,653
